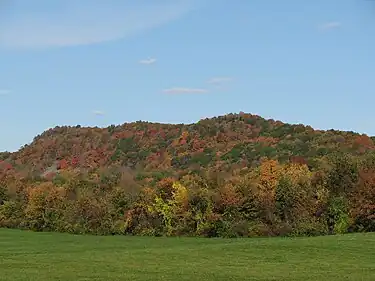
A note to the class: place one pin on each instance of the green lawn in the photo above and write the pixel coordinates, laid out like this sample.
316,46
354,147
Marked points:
51,256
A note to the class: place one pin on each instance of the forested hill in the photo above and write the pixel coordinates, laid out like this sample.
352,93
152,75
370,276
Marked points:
223,143
235,175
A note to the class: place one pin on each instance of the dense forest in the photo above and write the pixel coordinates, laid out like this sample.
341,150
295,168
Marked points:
229,176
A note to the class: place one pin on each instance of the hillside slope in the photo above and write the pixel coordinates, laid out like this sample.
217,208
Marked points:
222,143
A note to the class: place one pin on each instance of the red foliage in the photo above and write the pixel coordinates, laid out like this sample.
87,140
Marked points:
5,166
75,161
298,160
364,196
152,132
63,164
364,141
162,134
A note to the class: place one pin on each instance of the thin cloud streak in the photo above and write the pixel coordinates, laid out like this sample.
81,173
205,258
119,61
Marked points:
330,25
178,90
98,112
72,23
148,61
218,80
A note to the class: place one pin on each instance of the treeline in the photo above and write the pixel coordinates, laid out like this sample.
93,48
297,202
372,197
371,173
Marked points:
269,200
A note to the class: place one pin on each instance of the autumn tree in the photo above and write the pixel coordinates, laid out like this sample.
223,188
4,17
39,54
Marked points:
363,201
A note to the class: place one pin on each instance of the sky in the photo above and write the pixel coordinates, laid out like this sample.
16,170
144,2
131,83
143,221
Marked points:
97,63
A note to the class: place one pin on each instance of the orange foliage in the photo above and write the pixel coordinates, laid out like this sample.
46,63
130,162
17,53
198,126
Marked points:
63,164
269,177
364,140
228,197
165,187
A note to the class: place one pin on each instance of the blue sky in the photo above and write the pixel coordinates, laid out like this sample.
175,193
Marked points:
91,62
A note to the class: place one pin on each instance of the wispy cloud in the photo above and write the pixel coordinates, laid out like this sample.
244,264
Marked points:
4,92
330,25
148,61
98,112
220,83
70,22
185,91
219,80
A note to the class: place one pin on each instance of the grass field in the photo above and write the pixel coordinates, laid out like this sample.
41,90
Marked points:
52,256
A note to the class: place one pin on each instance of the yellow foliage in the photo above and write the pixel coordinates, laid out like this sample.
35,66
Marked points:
297,173
180,195
184,134
43,198
270,172
43,189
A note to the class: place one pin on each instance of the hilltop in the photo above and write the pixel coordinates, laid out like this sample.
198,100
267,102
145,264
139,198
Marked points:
222,144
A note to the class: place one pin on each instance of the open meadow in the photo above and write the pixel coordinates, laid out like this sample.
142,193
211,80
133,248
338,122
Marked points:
30,256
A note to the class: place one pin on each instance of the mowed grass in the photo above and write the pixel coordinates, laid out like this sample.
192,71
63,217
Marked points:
52,256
